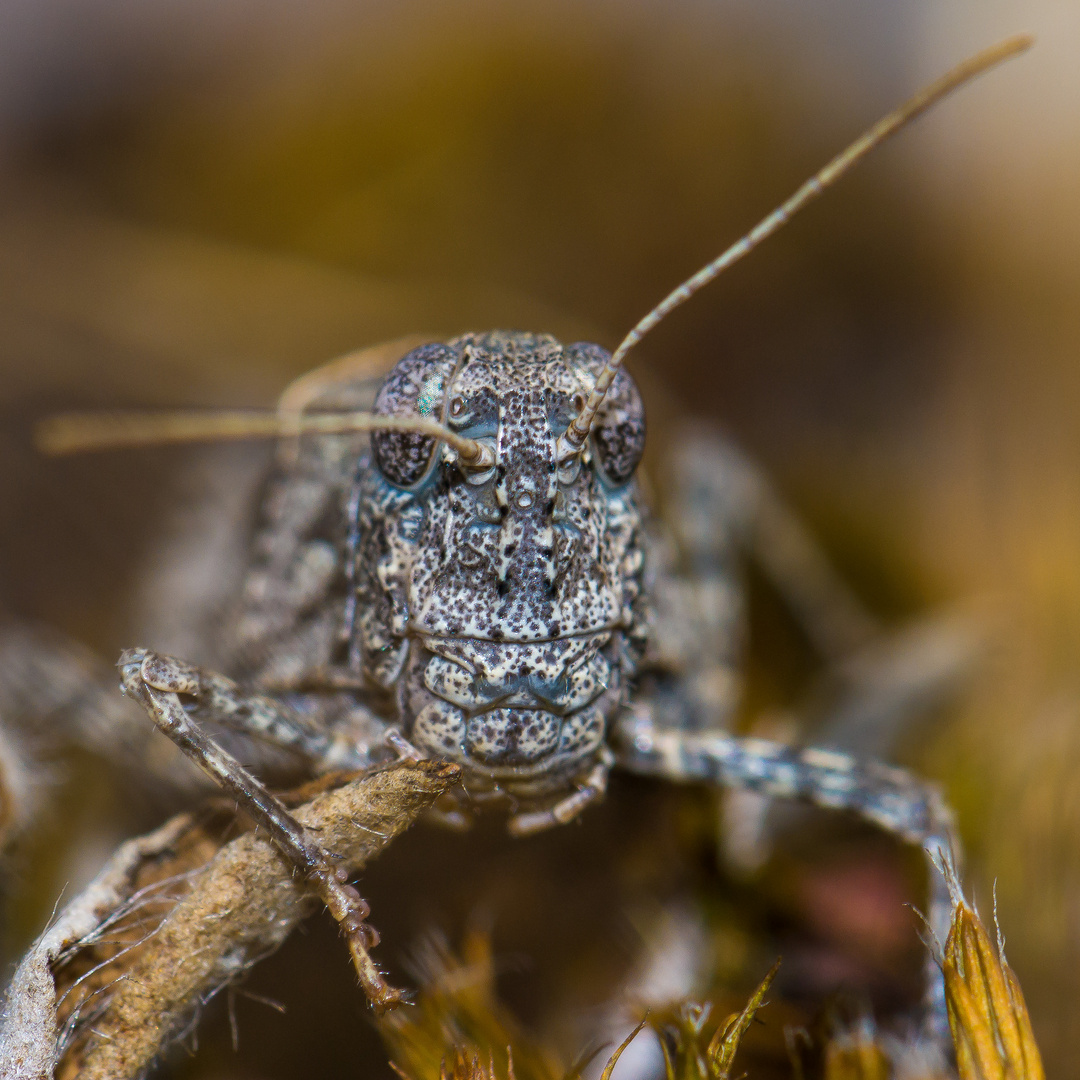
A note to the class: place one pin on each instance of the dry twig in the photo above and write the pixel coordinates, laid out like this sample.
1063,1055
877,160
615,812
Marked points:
126,965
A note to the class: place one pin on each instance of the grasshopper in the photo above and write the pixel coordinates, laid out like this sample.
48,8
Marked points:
454,561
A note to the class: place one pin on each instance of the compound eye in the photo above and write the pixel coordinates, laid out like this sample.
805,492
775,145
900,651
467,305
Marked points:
457,407
415,388
618,432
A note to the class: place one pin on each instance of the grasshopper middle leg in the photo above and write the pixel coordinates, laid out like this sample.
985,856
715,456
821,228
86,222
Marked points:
890,798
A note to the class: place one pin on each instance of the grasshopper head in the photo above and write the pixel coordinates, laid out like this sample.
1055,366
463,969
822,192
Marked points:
499,600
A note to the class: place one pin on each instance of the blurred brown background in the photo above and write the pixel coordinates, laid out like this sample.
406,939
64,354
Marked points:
200,200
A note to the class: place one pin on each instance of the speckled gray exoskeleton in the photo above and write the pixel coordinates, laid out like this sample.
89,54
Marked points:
469,572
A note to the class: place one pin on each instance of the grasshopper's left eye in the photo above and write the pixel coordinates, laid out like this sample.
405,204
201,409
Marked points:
416,387
618,432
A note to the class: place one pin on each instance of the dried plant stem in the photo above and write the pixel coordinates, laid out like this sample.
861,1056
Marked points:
238,902
246,902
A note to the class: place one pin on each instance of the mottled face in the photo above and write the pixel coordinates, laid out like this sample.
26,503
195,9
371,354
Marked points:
501,605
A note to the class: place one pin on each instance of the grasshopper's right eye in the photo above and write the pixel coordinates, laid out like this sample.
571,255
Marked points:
415,388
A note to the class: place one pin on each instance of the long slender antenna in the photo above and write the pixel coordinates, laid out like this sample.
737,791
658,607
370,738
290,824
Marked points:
578,431
72,433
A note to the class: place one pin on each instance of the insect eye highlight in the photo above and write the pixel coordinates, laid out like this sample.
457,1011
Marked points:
457,406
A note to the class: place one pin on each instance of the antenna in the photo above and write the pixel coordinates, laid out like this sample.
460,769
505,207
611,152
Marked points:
578,431
71,433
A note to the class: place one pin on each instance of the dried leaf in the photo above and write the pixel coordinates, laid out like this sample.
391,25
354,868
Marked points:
127,963
29,1032
726,1041
990,1024
689,1053
611,1062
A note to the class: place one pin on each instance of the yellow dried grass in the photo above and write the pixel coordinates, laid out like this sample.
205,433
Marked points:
991,1028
